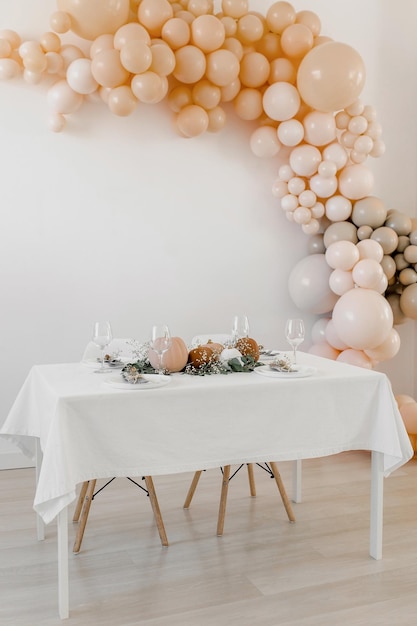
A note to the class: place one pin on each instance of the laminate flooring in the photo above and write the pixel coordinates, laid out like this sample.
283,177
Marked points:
263,570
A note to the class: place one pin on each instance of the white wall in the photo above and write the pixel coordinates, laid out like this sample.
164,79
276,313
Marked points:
123,219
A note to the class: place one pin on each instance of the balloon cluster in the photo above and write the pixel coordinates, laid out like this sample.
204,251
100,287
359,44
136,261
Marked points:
301,90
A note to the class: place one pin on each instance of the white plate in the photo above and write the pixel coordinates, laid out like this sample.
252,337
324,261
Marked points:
97,364
302,372
155,381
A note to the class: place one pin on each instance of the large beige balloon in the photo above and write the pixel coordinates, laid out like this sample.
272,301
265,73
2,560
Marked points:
331,76
369,211
91,18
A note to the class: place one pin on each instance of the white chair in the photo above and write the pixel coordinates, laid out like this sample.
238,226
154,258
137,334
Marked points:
270,467
123,348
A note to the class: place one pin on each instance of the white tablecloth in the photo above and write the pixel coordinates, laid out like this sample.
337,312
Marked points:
87,429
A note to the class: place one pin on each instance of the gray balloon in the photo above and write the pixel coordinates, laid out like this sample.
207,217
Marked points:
369,211
387,237
400,222
403,242
340,231
315,244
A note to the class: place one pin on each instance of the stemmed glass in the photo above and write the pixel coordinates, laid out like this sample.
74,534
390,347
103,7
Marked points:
160,342
294,332
240,327
102,336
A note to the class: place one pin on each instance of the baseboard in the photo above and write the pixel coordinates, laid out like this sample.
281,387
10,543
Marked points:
14,460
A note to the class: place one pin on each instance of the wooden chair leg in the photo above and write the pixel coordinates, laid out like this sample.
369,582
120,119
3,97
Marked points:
156,510
280,484
223,499
192,489
91,485
80,502
251,480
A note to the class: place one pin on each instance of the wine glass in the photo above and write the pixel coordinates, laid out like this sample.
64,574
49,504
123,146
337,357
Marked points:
294,332
102,336
240,327
160,342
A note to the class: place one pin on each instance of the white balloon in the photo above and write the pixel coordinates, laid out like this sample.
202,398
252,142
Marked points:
281,101
338,208
290,132
305,159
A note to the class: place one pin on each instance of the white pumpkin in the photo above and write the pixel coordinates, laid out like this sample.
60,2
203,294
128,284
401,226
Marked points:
230,353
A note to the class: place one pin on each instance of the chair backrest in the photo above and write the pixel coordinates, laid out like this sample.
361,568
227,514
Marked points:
122,348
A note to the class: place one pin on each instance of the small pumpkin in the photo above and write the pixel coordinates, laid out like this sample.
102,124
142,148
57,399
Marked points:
174,359
217,348
200,355
248,347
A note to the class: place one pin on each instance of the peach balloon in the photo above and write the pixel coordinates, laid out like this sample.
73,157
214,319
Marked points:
190,64
264,142
206,95
91,18
290,132
5,48
9,68
331,76
296,41
192,121
217,119
70,53
149,87
235,8
333,338
107,69
370,249
368,274
363,318
11,36
355,357
281,101
102,42
356,181
335,153
254,69
207,33
136,56
309,19
270,46
388,349
35,61
338,208
248,104
230,25
230,91
250,29
199,7
342,255
62,99
282,70
324,350
319,128
176,32
409,414
304,160
323,187
56,122
60,22
153,14
80,77
50,42
341,281
163,59
279,16
222,68
180,97
130,32
121,101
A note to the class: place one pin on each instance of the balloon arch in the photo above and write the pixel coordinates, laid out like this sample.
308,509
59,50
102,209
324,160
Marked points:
301,88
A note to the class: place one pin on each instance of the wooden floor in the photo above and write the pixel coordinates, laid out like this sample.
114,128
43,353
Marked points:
263,570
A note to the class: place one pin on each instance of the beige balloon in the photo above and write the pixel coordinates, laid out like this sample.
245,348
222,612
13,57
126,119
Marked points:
296,41
254,70
208,33
179,97
153,14
248,104
107,69
222,67
217,119
235,8
408,302
309,19
176,32
192,121
136,56
163,59
91,18
190,64
250,29
279,16
130,32
206,95
121,101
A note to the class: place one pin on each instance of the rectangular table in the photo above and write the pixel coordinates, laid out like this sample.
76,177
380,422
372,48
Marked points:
88,429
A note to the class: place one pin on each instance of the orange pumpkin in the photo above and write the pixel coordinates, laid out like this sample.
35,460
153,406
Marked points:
200,356
248,347
175,358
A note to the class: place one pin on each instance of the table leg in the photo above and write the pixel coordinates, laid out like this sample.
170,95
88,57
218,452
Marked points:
297,469
40,526
377,504
63,585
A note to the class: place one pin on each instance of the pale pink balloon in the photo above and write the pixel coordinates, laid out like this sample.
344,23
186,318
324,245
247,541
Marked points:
324,350
338,208
323,187
305,159
296,185
264,142
342,255
356,181
355,357
281,101
279,188
341,281
290,132
62,99
80,77
92,18
370,249
307,198
331,76
327,169
363,318
368,274
311,228
388,349
337,154
333,338
319,128
318,330
308,285
302,215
